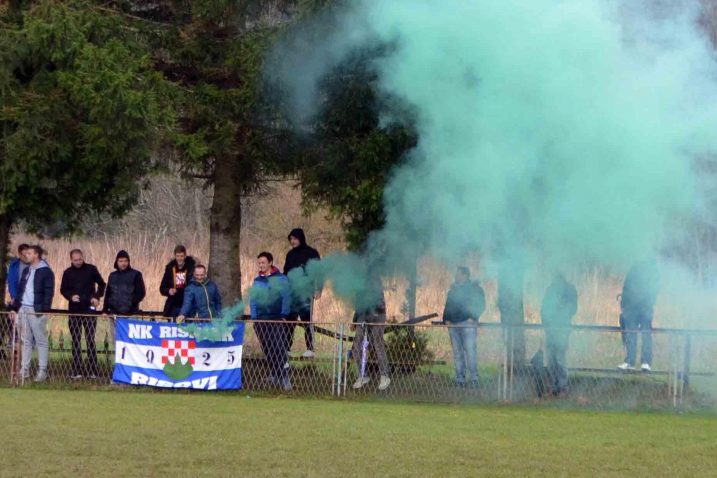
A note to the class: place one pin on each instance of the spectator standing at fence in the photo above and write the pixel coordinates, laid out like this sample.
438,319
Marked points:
83,287
34,301
639,294
14,271
270,303
302,296
560,303
201,297
369,323
464,305
177,277
125,288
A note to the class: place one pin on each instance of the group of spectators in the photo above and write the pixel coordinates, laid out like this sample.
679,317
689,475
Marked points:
190,294
466,303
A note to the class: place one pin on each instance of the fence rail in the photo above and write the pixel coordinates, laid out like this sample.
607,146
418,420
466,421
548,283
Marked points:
514,363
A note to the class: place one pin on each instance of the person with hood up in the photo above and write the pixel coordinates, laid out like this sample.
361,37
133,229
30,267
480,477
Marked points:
201,297
296,260
125,288
34,300
464,305
560,304
270,303
177,277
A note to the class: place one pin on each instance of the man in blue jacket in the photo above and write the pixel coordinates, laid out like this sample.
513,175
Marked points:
34,300
270,303
201,297
15,270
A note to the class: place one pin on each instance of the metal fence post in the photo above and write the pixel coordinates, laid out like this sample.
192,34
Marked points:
338,366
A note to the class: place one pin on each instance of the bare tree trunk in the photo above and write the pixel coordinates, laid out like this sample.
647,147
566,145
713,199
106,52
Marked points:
5,227
225,229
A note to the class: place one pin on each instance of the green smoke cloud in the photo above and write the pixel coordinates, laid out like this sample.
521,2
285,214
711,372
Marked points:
551,132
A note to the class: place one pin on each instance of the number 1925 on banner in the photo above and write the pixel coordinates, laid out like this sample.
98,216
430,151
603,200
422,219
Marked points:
164,355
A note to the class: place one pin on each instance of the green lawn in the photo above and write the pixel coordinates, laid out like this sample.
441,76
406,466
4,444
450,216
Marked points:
86,433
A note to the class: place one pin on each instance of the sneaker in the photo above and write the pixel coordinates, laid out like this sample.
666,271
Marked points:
41,376
75,376
384,382
93,377
286,384
625,366
646,367
309,354
361,382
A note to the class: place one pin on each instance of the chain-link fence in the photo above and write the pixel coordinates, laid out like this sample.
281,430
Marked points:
425,362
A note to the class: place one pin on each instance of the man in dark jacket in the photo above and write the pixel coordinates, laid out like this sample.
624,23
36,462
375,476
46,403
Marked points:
34,300
295,269
201,298
83,287
639,294
560,304
270,303
125,288
464,305
177,276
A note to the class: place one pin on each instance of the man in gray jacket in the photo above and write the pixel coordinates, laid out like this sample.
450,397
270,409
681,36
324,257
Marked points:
34,299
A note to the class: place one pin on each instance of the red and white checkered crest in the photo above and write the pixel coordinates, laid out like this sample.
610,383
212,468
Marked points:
185,349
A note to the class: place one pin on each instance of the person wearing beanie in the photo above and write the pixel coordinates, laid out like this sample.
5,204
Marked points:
125,288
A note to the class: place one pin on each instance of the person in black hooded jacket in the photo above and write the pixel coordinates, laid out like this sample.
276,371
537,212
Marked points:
297,258
177,276
125,288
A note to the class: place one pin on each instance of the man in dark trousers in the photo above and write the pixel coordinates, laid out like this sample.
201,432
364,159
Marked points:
125,288
270,303
83,287
302,291
560,304
177,276
639,294
34,300
464,305
201,297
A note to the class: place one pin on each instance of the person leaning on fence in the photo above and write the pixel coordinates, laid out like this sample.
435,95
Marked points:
83,287
177,277
560,303
125,288
201,297
369,322
464,305
34,300
296,260
270,303
14,273
639,294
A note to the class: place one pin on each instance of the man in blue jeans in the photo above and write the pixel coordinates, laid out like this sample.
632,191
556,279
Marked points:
639,294
464,305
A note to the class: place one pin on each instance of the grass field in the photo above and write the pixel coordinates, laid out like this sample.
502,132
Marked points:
76,433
